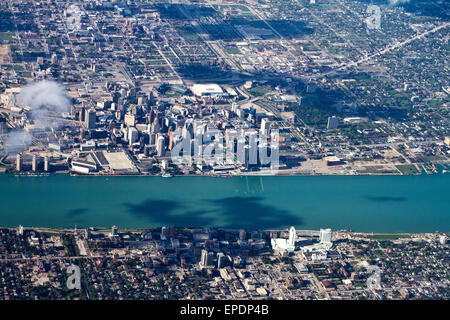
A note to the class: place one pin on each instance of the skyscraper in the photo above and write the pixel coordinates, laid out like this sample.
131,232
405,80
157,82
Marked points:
114,231
133,135
221,260
242,234
164,233
207,258
160,146
292,237
332,123
265,125
285,244
325,236
90,119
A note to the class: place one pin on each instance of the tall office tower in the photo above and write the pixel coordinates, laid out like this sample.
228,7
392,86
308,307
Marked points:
19,162
207,258
325,236
253,147
152,139
150,116
221,260
265,126
242,235
170,134
90,119
172,231
114,231
292,237
54,59
204,258
156,127
46,164
332,123
188,130
246,154
133,135
160,146
34,163
164,233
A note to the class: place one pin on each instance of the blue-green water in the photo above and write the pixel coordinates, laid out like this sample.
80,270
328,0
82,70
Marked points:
362,203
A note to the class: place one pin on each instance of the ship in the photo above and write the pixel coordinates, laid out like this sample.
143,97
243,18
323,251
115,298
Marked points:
167,175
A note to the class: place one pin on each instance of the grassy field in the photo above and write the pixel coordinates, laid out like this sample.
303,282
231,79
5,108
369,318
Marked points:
392,236
188,34
257,91
6,35
407,169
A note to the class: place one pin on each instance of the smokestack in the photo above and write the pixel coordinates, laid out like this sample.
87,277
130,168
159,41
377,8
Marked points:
19,162
46,167
34,163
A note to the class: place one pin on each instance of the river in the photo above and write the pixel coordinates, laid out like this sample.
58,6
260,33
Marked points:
361,203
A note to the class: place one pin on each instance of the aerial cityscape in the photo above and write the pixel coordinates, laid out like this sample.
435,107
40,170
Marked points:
224,149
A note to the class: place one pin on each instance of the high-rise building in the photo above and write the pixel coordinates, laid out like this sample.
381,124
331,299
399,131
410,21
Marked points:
207,258
325,236
54,59
19,162
156,127
133,135
203,258
90,119
188,130
292,237
20,230
265,126
172,231
332,123
279,244
222,260
170,134
242,235
114,231
164,233
160,146
152,139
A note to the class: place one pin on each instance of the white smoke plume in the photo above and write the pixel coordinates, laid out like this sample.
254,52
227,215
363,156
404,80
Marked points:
396,2
17,141
44,97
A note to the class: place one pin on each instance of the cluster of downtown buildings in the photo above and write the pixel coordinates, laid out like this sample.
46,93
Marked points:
140,76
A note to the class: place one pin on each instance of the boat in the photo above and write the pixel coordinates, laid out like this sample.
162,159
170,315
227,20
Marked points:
167,175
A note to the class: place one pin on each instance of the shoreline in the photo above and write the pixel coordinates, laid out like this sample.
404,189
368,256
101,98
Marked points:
100,229
224,176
